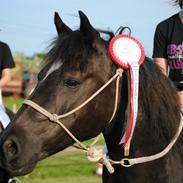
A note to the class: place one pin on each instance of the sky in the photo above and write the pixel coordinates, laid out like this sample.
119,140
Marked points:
28,25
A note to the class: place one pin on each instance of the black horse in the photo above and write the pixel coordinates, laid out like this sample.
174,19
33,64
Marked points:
78,65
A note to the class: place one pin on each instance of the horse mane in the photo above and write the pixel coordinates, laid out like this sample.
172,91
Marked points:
63,45
75,49
158,102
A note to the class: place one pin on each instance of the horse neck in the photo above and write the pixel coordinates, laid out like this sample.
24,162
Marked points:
144,141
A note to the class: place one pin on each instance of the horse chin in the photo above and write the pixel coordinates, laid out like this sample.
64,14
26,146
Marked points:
26,169
20,167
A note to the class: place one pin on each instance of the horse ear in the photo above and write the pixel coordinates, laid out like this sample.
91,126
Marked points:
85,26
60,26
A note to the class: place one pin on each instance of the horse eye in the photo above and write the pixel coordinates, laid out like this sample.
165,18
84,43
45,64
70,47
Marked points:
72,83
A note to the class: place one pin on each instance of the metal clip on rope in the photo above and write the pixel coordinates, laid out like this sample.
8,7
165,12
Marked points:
125,162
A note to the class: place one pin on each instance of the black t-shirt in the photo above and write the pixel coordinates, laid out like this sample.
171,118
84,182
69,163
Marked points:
168,43
6,59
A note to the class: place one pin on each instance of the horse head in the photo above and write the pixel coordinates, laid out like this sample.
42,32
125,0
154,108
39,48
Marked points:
78,65
70,102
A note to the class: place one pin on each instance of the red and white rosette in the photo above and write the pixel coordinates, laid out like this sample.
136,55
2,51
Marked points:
128,53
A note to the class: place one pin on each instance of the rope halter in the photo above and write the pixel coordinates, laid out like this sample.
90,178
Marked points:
92,153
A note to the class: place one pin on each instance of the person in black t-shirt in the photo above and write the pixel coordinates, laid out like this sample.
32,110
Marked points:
6,63
168,48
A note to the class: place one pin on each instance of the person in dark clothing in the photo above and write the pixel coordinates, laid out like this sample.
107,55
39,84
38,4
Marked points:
6,63
168,48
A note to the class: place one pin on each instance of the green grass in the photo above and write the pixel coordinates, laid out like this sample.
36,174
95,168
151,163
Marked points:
81,179
64,167
13,103
70,164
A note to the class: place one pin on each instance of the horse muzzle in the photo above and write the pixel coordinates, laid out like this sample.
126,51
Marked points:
13,160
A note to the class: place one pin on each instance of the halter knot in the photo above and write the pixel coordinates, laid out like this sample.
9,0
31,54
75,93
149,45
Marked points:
54,117
119,71
94,154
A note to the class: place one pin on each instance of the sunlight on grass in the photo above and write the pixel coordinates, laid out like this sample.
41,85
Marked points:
64,167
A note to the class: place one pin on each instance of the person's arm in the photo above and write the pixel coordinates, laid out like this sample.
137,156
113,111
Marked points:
6,76
7,63
160,47
162,63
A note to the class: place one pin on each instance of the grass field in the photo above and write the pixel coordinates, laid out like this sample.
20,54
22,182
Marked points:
13,103
65,180
69,166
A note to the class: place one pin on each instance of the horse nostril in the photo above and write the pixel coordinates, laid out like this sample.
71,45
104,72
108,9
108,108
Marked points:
10,149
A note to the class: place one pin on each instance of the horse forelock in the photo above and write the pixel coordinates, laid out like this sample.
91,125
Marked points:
73,50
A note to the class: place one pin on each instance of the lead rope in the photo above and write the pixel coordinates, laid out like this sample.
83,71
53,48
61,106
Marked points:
93,154
127,162
116,96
